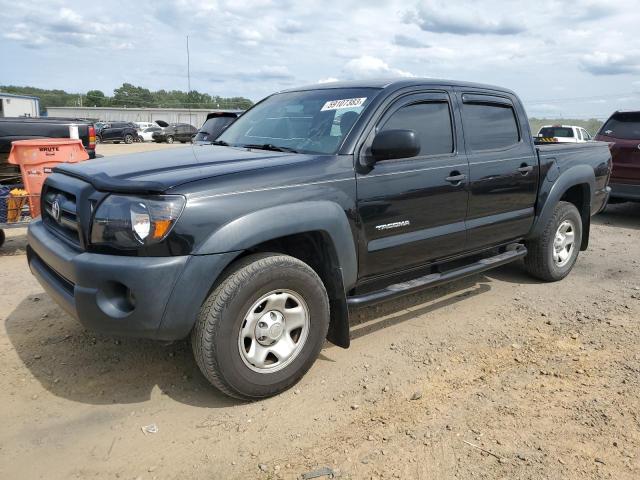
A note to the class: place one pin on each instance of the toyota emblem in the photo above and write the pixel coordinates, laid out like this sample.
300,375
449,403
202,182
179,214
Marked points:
55,210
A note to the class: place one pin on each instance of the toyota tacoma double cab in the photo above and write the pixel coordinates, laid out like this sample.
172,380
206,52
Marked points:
316,200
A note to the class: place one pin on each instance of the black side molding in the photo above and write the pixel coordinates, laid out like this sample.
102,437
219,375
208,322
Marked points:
515,252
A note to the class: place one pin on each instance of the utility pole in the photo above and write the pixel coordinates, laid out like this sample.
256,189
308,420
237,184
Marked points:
189,81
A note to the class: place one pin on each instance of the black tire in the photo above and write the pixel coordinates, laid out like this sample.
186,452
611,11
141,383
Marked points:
539,261
117,141
215,337
2,237
128,139
169,139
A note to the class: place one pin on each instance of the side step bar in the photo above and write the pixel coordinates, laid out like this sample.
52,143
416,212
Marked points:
433,279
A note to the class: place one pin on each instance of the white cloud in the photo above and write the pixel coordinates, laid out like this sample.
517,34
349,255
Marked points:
463,19
328,80
604,63
367,66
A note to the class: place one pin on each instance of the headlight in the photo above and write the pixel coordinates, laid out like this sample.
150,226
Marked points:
131,222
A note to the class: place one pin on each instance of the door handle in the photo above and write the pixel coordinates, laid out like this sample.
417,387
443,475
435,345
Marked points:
525,169
456,178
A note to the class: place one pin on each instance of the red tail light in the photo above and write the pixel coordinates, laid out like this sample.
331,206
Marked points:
92,137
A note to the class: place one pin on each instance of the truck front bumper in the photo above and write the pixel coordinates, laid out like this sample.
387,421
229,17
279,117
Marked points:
151,297
625,191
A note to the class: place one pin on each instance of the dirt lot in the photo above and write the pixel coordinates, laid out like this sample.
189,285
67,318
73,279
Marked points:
545,377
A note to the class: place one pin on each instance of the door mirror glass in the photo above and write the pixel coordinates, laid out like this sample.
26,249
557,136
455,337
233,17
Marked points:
391,144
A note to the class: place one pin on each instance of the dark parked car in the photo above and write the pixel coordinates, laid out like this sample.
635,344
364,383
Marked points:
215,124
117,132
622,129
176,132
315,200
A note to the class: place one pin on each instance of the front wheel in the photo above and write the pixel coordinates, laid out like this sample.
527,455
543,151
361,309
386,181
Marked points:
169,139
128,139
552,255
263,326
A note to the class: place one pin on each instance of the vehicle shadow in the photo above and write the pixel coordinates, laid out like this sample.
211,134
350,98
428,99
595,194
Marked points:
368,320
73,363
621,215
15,243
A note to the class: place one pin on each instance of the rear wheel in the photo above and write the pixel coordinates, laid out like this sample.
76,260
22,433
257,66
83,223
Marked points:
169,139
2,237
263,326
98,140
552,255
128,139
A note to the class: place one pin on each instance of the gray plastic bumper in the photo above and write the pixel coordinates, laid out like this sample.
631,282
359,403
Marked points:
152,297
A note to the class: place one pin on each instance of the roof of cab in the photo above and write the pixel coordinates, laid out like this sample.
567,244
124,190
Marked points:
394,84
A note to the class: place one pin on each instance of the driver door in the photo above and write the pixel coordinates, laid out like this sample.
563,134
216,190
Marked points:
413,209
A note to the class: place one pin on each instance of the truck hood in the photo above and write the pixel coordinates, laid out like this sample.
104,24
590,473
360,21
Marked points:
159,171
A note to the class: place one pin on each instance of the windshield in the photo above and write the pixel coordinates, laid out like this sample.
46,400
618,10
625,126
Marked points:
312,121
564,132
212,128
623,125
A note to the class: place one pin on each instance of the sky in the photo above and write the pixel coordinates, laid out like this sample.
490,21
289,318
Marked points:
564,58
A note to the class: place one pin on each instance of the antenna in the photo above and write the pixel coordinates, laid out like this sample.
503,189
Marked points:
188,81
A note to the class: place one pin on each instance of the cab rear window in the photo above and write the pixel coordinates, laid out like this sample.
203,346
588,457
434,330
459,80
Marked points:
623,125
561,132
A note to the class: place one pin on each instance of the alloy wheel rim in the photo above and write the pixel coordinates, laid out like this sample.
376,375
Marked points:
274,331
564,243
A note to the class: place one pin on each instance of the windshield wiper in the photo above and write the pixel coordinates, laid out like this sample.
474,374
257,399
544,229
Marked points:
222,143
269,146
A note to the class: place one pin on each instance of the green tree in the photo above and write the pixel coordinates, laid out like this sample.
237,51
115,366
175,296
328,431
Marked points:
129,95
96,98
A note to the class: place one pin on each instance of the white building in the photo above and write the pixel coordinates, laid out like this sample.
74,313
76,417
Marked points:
195,116
19,105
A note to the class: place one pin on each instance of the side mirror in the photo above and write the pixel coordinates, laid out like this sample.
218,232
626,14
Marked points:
391,144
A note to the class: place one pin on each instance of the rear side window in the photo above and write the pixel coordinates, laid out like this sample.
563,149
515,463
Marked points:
432,123
623,125
489,126
562,132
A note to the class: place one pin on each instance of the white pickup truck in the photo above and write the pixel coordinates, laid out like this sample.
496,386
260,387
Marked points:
564,134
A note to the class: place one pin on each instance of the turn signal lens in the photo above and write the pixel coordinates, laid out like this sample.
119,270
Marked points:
128,222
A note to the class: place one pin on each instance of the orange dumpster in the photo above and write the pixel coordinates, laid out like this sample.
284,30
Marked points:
37,157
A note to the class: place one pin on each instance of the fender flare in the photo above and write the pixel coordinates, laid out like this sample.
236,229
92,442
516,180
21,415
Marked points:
274,222
577,175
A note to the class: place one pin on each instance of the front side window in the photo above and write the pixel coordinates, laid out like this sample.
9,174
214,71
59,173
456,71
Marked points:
312,121
489,126
432,123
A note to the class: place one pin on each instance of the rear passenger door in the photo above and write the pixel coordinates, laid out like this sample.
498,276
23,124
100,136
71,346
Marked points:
413,209
503,169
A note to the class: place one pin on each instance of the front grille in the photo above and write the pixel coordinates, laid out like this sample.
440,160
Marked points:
63,217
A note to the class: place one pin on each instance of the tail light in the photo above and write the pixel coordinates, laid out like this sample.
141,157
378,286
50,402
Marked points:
92,137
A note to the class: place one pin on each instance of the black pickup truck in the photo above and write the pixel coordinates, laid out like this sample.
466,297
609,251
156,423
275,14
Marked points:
316,200
27,128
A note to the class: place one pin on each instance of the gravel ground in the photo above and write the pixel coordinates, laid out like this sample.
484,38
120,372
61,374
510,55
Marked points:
495,376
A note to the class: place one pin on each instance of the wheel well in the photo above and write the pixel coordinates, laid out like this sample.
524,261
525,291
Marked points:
317,250
580,196
313,248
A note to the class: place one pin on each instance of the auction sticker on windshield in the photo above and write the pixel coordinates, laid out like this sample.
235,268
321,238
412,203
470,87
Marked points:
344,103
